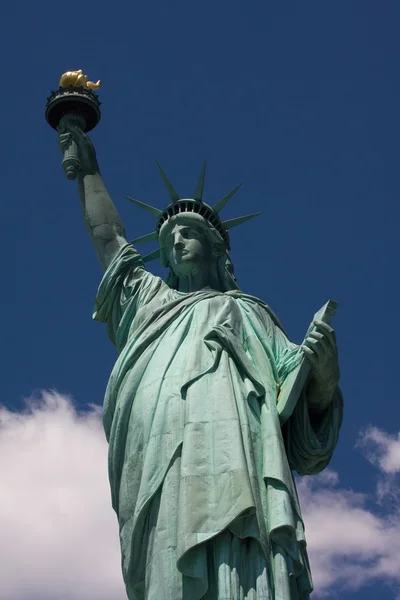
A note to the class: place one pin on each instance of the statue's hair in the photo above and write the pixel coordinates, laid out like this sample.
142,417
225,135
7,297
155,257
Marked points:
222,270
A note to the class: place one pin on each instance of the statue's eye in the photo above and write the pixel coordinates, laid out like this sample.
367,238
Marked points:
189,234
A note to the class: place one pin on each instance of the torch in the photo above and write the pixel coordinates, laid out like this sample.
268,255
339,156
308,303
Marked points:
75,101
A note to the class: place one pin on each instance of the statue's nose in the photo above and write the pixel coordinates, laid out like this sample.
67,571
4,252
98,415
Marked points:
178,241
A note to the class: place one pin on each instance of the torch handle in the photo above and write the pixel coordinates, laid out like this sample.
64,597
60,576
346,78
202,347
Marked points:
70,162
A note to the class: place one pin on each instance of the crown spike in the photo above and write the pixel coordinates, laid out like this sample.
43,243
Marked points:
150,209
152,256
198,194
149,237
171,190
239,220
224,201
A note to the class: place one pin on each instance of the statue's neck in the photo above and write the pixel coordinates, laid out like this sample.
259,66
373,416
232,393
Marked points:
194,282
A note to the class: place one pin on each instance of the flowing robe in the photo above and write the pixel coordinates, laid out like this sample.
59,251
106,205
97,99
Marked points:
199,466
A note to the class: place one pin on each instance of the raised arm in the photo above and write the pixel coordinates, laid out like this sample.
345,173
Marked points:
100,214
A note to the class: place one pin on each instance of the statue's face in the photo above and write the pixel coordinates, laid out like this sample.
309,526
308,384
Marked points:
188,249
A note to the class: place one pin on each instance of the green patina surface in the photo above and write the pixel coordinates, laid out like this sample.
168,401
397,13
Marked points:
200,459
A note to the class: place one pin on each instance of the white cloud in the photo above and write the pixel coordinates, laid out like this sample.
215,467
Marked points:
351,544
59,535
382,449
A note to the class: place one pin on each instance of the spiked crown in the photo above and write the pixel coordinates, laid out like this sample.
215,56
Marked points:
190,205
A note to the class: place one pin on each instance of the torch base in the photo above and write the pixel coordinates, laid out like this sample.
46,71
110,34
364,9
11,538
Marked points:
80,102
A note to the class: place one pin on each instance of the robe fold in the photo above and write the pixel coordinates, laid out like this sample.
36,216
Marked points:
199,466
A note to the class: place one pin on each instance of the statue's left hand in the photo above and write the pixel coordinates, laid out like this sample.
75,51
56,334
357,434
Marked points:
321,352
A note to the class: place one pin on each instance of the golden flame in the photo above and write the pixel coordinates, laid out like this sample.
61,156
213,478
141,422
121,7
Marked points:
77,79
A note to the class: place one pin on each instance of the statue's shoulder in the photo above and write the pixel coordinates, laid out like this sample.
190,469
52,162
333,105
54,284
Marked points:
127,272
259,305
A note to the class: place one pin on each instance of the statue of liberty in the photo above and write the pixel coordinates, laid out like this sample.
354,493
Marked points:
200,462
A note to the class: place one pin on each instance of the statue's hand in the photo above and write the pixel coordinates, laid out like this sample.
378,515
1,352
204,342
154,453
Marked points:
68,133
321,351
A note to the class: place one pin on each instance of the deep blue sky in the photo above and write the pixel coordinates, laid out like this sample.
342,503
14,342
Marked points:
299,99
